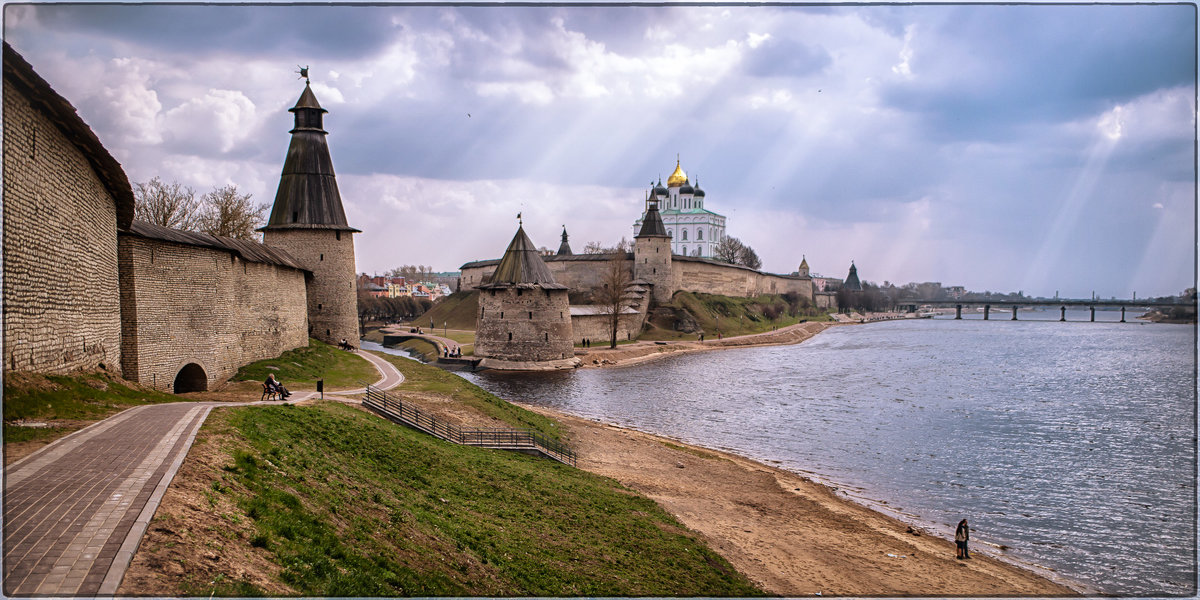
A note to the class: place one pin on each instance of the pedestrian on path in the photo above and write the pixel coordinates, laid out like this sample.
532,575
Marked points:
961,535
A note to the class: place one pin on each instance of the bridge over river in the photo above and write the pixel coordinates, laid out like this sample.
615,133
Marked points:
1062,304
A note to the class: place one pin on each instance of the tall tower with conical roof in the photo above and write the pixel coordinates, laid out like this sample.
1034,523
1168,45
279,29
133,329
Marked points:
524,320
652,254
307,220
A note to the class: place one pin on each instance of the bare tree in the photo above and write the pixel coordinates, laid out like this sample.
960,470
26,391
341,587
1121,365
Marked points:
610,296
166,204
748,257
597,248
728,250
230,214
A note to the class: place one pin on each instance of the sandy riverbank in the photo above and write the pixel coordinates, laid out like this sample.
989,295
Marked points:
790,535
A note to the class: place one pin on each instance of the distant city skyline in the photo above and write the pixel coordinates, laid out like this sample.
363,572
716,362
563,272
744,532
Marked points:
1044,148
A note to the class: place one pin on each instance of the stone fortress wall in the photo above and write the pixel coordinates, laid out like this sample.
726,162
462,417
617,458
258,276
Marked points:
519,324
61,305
689,274
332,291
80,292
208,307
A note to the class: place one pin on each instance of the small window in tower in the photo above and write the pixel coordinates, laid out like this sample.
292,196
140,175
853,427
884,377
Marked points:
481,313
338,235
510,336
33,142
319,306
327,332
531,314
519,291
501,314
322,257
547,336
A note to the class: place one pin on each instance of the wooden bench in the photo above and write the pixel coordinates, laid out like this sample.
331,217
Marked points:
270,394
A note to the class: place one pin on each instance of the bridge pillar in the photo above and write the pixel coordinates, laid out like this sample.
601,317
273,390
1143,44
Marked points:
1122,314
1014,312
1064,314
986,309
958,312
1093,313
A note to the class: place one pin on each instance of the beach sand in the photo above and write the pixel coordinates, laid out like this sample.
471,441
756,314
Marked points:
788,534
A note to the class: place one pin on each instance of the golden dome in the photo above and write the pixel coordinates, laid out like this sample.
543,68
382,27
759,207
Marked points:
677,178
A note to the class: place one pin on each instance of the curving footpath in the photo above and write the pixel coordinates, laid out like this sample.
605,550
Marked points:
75,511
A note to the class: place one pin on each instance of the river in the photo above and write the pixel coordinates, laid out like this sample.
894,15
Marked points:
1071,445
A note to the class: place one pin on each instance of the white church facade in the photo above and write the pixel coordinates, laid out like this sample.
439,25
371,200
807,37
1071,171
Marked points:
694,230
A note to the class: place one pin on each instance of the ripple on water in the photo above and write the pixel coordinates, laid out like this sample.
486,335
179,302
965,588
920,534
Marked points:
1066,442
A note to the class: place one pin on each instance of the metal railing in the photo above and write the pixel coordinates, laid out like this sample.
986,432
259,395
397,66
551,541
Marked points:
507,439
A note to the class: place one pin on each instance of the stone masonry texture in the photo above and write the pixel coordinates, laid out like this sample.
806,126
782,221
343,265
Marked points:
61,302
524,325
332,291
190,305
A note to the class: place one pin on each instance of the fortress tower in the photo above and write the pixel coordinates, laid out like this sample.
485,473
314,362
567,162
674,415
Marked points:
524,320
652,254
309,223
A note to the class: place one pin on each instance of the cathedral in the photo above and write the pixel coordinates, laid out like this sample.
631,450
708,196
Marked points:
693,229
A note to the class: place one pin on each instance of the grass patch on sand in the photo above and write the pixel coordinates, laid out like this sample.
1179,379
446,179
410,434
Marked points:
348,504
426,378
300,368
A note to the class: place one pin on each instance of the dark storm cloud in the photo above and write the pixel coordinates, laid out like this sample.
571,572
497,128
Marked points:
1014,65
786,58
333,31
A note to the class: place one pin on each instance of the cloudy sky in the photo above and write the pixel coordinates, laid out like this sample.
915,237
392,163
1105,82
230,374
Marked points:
1036,148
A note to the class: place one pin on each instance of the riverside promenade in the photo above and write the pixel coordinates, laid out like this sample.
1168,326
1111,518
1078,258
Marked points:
75,510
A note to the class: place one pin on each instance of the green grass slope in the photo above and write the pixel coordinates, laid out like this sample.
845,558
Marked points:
429,379
456,311
302,367
729,315
347,504
78,398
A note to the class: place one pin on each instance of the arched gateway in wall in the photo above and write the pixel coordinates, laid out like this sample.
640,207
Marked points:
191,378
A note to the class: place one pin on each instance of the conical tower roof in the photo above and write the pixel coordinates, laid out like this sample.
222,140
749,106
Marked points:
308,196
522,266
852,283
652,224
564,249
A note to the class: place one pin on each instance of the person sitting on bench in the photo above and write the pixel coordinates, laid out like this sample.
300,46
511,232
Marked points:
276,386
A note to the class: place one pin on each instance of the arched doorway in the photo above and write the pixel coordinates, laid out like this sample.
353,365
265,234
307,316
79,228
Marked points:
191,378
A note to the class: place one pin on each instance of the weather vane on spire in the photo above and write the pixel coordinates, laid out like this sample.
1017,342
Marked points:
303,73
520,223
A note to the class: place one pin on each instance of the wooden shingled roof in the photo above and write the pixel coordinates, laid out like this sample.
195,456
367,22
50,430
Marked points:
522,266
59,111
245,249
652,226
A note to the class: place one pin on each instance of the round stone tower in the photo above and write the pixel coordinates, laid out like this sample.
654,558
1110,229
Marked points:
308,222
652,254
524,320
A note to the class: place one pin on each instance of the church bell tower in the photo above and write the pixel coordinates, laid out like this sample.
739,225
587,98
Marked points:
307,221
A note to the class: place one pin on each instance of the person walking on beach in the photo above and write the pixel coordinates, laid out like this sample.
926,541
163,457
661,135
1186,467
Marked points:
961,535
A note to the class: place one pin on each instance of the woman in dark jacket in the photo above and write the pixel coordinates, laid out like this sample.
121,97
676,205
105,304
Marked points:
961,535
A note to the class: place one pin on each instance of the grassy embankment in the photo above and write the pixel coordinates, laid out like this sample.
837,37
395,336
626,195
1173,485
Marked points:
456,311
65,403
452,388
343,503
302,367
731,316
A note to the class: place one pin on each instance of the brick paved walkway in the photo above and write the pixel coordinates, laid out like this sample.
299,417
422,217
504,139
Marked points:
75,511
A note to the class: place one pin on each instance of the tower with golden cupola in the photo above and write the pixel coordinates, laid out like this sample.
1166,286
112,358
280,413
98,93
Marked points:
693,229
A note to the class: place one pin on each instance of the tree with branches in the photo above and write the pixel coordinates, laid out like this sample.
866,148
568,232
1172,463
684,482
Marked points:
230,214
166,204
610,296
